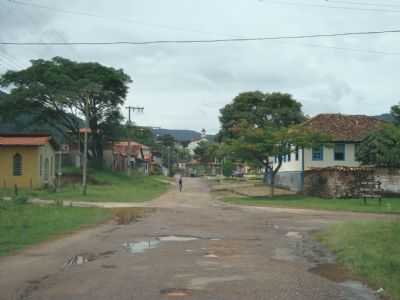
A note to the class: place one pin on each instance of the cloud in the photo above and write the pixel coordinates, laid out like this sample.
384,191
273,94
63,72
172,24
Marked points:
184,86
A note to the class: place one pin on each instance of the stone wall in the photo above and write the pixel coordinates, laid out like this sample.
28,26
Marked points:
289,180
390,179
342,182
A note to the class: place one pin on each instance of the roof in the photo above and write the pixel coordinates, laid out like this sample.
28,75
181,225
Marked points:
137,150
344,128
26,140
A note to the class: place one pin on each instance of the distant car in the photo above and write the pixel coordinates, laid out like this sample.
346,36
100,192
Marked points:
237,174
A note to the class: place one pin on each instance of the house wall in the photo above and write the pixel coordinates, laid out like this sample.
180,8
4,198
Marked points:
46,152
329,161
390,179
342,182
30,167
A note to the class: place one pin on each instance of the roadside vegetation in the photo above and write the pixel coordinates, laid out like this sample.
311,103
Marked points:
22,224
104,186
370,250
389,205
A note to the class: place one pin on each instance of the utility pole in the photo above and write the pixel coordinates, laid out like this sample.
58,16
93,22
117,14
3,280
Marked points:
169,160
85,149
133,109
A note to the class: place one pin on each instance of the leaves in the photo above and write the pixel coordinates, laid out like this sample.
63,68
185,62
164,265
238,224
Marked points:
381,148
60,92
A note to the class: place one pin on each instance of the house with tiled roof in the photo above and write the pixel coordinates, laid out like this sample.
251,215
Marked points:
346,132
27,160
117,155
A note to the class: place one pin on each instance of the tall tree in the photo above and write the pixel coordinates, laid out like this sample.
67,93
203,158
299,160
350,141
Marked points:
61,92
258,126
395,112
259,110
381,148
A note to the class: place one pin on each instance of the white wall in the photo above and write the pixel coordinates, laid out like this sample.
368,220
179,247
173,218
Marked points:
329,161
290,166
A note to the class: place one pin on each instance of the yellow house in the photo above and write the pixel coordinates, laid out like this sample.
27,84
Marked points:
27,160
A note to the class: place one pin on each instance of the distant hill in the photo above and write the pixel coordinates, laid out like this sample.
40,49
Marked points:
179,135
385,117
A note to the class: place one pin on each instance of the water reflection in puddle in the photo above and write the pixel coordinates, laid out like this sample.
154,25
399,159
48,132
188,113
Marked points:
174,238
141,247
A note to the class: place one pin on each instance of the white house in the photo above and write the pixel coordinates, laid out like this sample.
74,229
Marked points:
346,131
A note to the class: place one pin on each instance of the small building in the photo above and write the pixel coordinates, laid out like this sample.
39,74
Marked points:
118,156
346,132
27,160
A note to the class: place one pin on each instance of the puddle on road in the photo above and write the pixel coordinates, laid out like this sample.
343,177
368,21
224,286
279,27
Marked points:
126,216
174,238
83,258
344,278
333,272
176,293
79,259
140,247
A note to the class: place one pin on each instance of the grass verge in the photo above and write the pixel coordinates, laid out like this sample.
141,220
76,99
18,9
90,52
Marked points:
107,186
370,250
25,225
389,205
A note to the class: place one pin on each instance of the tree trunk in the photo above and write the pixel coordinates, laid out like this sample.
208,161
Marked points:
272,184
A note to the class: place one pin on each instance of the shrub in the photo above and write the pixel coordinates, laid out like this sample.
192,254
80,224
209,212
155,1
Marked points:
228,168
20,200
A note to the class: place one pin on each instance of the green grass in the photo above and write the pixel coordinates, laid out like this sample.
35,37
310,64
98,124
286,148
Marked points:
370,250
105,186
25,225
390,205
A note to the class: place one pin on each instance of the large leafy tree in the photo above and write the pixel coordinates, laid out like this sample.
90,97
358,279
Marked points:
259,110
258,146
207,152
62,93
381,148
395,112
258,126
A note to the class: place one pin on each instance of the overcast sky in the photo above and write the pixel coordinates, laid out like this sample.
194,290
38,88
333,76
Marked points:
184,86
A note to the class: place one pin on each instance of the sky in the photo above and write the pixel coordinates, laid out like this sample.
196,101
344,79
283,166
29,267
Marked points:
184,86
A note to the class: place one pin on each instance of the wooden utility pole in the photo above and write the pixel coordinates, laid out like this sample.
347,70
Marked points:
129,152
85,149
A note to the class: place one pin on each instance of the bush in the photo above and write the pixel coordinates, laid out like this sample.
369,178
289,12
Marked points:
228,168
20,200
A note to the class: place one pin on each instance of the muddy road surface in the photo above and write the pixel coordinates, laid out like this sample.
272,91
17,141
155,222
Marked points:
186,246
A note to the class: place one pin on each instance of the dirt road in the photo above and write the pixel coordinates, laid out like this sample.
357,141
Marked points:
188,246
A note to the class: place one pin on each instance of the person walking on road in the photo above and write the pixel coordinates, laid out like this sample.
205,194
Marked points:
180,183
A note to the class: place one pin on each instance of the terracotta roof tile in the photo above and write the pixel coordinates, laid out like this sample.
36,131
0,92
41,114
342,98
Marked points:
24,141
344,128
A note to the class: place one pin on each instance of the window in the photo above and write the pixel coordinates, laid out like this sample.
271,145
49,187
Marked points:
340,152
356,150
297,153
17,165
318,153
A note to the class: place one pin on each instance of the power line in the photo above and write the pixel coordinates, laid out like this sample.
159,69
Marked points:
362,3
278,2
205,41
119,19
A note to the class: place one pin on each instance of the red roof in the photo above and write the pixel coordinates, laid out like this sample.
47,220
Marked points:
344,128
24,140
